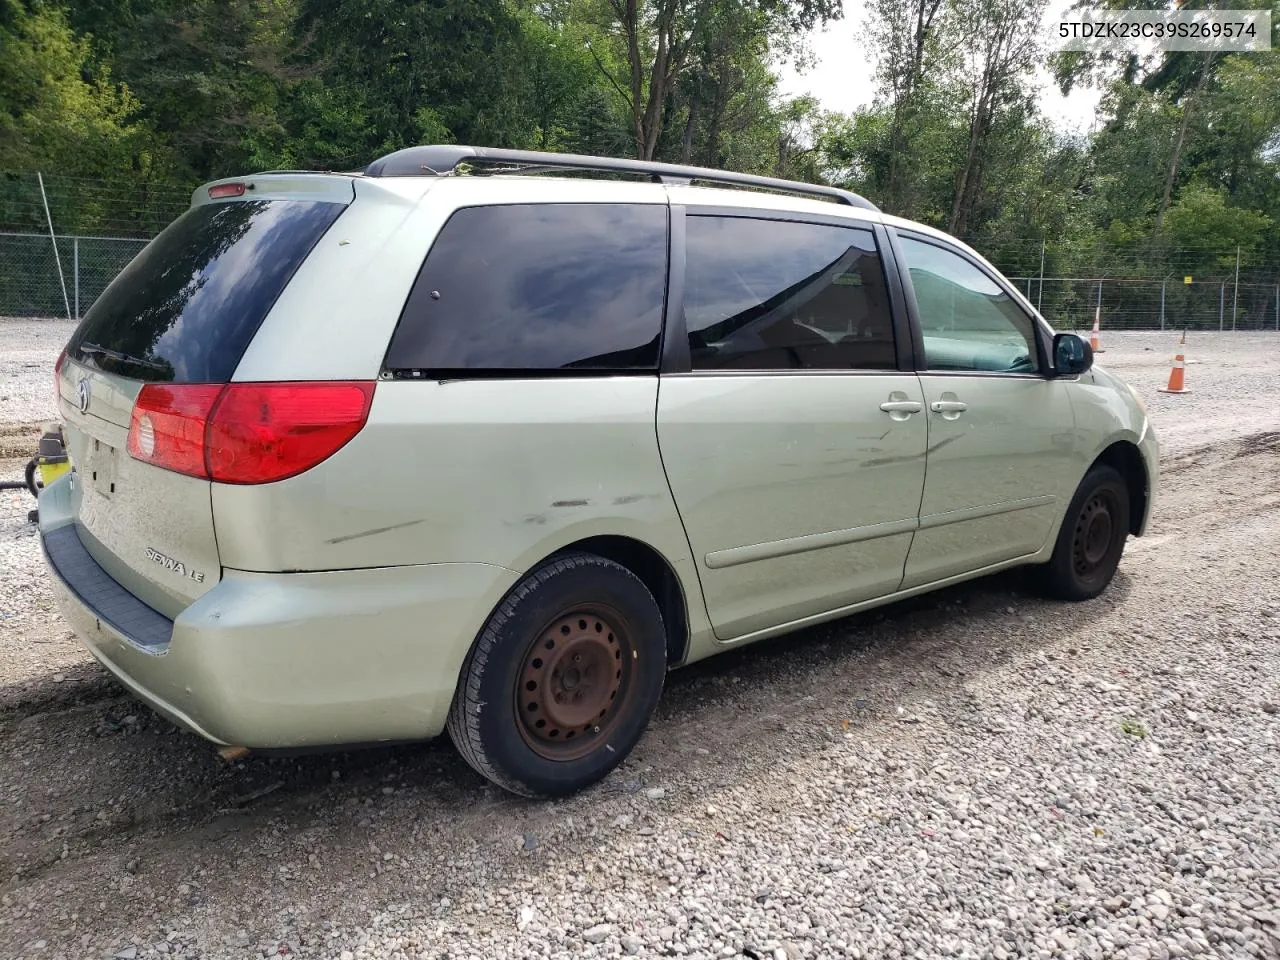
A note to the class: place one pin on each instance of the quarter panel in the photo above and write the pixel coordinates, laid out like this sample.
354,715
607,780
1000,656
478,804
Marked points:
487,471
333,320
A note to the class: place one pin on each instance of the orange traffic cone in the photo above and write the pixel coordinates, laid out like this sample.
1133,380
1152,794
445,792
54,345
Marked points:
1094,342
1176,375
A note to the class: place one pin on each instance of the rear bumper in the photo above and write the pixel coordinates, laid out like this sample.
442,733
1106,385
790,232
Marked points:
287,660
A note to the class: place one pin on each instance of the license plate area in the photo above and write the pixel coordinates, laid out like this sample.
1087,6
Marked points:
102,468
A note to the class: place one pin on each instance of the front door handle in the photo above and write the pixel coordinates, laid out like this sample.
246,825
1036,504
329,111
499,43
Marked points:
949,406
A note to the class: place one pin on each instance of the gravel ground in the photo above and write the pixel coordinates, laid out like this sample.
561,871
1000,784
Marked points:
977,773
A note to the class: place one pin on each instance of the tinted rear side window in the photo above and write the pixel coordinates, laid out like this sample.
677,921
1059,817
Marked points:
187,307
539,287
777,295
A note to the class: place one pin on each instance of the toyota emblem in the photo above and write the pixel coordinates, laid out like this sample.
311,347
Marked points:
82,394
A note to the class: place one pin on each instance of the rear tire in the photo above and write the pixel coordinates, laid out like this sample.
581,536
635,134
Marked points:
562,681
1091,540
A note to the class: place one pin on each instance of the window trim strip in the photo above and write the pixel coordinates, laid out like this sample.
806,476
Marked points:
904,338
674,355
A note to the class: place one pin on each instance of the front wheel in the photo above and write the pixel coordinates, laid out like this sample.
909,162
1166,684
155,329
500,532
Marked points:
1091,540
563,678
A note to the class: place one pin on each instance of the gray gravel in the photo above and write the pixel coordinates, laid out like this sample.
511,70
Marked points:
28,349
978,773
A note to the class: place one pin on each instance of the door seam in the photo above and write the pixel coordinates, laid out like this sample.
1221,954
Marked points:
924,483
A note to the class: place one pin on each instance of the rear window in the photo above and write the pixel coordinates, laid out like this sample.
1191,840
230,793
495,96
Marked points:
187,307
536,288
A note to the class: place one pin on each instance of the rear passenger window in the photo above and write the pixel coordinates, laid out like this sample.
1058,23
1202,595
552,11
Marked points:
538,287
775,295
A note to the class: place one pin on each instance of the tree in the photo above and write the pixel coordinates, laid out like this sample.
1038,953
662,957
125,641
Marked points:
1001,55
555,78
657,36
1179,141
51,115
1201,221
907,36
211,77
415,72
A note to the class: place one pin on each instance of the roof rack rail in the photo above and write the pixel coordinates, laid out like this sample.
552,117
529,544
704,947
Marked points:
442,159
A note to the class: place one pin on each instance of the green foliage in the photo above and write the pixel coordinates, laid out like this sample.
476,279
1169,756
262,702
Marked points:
1134,728
49,114
1202,221
126,105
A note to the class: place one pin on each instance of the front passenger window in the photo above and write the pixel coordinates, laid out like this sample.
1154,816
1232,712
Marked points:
968,322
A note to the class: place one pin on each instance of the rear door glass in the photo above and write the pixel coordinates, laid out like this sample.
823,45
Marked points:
187,307
778,295
538,287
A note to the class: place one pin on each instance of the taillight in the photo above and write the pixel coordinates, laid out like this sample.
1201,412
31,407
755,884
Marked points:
223,190
268,431
246,432
169,424
57,377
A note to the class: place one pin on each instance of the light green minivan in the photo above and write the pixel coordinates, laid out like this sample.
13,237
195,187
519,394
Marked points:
449,445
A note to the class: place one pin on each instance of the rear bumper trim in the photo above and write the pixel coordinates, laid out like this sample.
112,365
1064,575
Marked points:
143,627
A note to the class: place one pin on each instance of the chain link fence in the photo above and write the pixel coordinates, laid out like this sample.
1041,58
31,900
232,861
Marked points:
1071,303
30,283
30,286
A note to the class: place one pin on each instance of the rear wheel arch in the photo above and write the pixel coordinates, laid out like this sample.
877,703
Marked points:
1125,458
656,572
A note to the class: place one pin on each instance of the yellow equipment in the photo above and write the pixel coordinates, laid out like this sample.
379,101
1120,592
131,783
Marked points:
51,459
49,463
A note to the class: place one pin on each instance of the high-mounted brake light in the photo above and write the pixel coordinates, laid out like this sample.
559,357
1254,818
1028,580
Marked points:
246,432
222,190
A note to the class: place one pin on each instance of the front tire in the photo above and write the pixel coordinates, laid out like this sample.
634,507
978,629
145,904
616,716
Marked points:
1091,540
563,678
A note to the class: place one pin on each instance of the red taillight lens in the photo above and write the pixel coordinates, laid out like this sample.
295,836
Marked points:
169,423
268,431
246,432
57,377
223,190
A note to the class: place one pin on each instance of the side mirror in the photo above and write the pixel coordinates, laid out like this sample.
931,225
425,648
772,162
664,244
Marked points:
1071,355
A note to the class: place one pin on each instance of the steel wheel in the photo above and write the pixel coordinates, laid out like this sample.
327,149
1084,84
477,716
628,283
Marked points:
574,682
1091,538
561,683
1094,534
